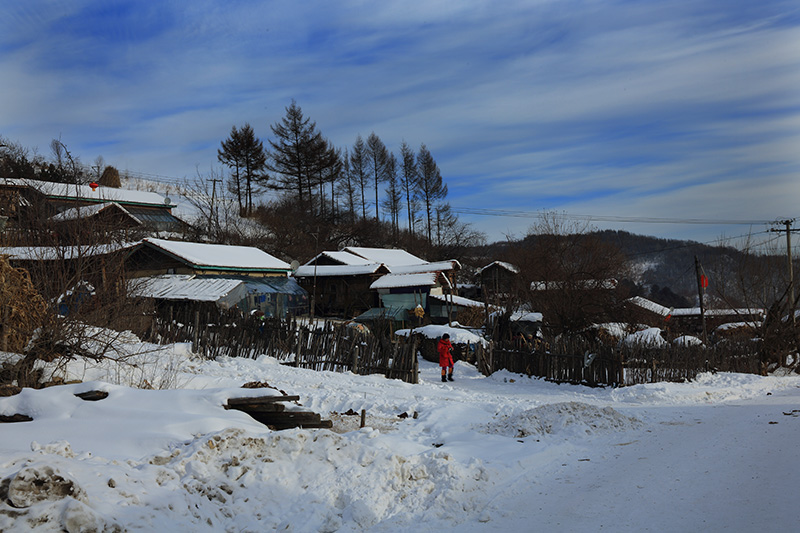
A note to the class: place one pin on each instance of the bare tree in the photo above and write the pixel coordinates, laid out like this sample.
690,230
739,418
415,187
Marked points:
757,279
571,274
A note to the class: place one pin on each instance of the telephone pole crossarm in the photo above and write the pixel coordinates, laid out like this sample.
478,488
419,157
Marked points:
789,230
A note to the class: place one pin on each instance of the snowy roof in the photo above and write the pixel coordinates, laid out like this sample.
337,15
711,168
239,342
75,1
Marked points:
438,266
355,261
737,325
53,253
85,192
391,257
77,213
649,305
457,300
344,258
692,311
588,284
519,316
225,292
433,331
646,337
308,271
392,281
502,264
218,256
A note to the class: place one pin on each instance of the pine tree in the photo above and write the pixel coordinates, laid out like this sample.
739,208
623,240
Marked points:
377,161
244,154
347,188
408,182
393,202
296,154
359,173
429,184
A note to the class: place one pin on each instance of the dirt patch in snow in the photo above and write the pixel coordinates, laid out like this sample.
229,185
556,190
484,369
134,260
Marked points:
39,496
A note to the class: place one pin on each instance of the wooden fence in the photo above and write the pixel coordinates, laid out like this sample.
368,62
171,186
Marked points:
682,363
594,367
340,348
581,362
326,346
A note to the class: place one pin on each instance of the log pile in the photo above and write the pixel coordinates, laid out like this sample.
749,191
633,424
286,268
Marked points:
271,411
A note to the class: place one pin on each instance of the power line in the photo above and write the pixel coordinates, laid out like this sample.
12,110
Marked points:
605,218
710,243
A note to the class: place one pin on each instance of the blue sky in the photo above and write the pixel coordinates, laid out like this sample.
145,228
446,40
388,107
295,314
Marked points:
617,110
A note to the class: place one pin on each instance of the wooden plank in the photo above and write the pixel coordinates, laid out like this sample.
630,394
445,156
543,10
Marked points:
322,424
261,399
258,407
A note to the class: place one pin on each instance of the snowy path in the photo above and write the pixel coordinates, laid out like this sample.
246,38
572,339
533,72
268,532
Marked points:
710,468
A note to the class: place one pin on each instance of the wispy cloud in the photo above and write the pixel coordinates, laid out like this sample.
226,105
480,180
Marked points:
674,109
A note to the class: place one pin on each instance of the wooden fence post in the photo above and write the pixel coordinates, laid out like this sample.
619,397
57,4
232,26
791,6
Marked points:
195,336
297,349
415,363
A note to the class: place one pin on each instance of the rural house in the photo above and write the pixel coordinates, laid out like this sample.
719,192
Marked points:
688,320
497,279
72,208
347,282
172,267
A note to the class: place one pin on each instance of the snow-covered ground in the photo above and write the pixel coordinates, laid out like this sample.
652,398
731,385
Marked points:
498,453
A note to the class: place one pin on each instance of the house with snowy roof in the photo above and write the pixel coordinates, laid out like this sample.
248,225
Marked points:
340,283
689,320
497,278
352,281
69,208
172,268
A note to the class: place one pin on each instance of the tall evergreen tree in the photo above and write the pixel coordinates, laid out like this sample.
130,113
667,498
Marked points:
430,186
334,171
348,188
295,153
377,161
408,182
393,202
359,171
244,154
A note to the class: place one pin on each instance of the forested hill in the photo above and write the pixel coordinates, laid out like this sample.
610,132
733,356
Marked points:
669,263
663,269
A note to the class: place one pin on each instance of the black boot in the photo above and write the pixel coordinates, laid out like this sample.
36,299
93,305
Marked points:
444,379
450,377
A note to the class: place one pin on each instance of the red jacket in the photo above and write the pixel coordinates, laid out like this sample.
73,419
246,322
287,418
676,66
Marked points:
445,356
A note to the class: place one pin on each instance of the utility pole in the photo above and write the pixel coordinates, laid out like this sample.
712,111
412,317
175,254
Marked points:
702,283
789,230
316,260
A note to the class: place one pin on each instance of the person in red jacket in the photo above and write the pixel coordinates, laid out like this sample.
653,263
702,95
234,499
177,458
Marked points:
445,350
